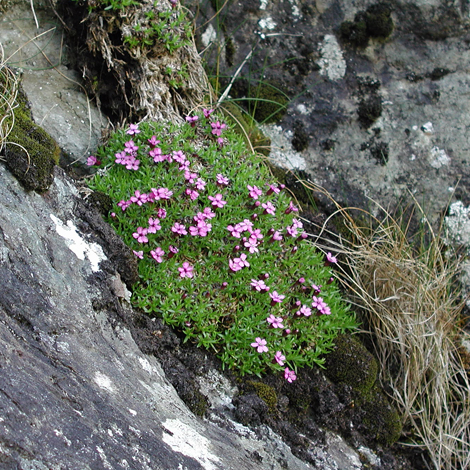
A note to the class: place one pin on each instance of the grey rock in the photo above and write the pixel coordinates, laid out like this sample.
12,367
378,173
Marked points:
416,142
76,390
58,101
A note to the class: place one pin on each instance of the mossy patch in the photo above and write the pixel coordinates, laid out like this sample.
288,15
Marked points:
369,110
30,152
350,363
266,393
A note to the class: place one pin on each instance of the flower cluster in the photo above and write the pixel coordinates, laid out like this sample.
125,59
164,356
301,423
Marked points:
222,252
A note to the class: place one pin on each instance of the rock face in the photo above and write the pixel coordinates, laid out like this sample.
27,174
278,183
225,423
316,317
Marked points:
378,101
76,390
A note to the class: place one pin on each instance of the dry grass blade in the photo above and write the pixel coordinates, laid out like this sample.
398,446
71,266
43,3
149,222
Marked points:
8,95
412,311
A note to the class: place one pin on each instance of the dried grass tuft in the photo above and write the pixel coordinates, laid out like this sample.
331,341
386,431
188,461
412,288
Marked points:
8,95
411,308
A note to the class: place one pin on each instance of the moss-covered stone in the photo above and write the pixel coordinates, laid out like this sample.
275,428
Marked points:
30,152
266,393
352,364
370,110
380,418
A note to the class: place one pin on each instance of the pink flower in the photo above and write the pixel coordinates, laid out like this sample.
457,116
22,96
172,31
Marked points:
133,129
269,208
276,298
220,141
192,120
121,157
200,184
139,198
132,164
276,236
172,251
157,254
316,289
330,259
275,322
207,112
252,245
255,192
297,223
304,310
291,208
153,142
192,193
273,189
289,375
292,231
238,263
217,128
92,161
130,147
260,345
124,204
234,231
208,214
222,180
217,200
256,234
161,213
318,303
259,285
186,270
279,358
179,229
190,177
156,154
139,254
160,193
179,156
154,225
141,235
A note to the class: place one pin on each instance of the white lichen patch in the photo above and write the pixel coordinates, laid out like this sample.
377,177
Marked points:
267,23
145,365
76,243
104,382
208,36
332,63
438,157
186,440
282,152
295,9
263,4
457,225
428,128
217,388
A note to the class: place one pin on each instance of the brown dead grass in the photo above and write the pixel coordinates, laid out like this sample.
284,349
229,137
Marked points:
411,308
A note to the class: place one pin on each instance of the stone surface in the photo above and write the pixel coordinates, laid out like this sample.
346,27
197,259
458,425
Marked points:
417,80
76,390
58,101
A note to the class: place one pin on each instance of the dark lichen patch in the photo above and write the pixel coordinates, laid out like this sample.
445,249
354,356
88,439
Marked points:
369,110
379,152
30,152
301,139
438,73
376,22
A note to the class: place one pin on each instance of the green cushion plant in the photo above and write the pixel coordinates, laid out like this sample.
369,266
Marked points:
223,256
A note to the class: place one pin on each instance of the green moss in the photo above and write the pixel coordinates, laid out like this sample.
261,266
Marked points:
354,33
30,152
266,393
380,417
352,364
370,110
